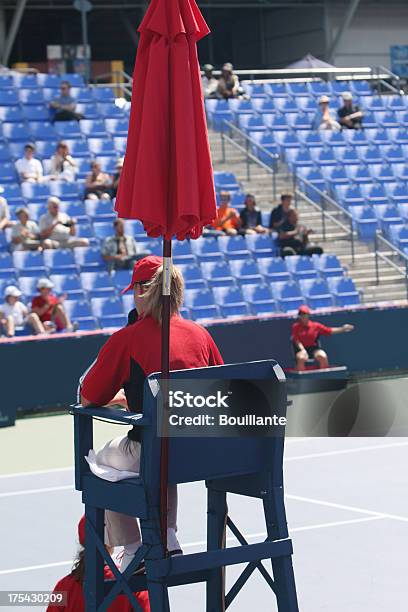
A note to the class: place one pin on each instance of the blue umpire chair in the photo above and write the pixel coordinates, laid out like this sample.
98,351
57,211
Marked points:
250,466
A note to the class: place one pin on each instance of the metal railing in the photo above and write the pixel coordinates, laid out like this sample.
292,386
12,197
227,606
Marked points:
117,79
303,74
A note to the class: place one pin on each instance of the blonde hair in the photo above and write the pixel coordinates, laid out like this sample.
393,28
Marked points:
152,295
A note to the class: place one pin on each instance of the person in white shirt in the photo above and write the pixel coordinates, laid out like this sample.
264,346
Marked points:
57,229
28,167
25,234
4,214
63,167
14,314
209,82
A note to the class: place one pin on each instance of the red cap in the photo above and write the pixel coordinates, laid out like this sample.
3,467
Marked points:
304,309
81,531
144,270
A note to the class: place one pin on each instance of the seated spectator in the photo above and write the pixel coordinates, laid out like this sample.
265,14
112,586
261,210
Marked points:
4,214
28,167
63,167
63,108
293,238
120,250
325,118
57,229
350,116
49,309
209,82
227,220
25,234
98,184
251,218
116,176
279,213
73,585
228,83
14,314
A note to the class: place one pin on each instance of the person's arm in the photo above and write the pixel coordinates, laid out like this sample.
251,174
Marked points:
90,180
46,230
289,234
40,310
236,84
39,171
344,329
72,229
295,338
108,251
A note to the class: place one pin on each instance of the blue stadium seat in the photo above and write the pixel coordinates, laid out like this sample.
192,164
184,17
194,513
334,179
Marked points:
110,111
344,291
36,112
386,119
103,94
88,111
231,301
382,173
48,80
333,139
374,193
261,106
387,214
356,137
324,156
339,87
369,120
314,176
300,267
68,284
43,130
287,294
89,259
15,132
369,154
275,90
60,261
398,192
97,284
398,135
101,147
394,154
299,120
4,245
154,247
328,265
234,247
316,292
259,298
237,199
399,235
261,245
80,312
251,123
8,97
78,147
121,279
28,286
274,269
359,173
287,139
299,157
308,138
134,227
375,103
275,121
401,171
397,102
361,88
12,193
349,195
85,230
83,167
7,269
298,89
74,79
378,136
8,173
206,249
44,148
109,311
108,164
254,90
6,81
115,127
246,271
94,128
266,141
346,155
5,153
67,129
403,211
13,114
306,103
193,277
29,262
120,144
364,220
225,181
75,209
319,88
201,303
65,191
217,273
36,192
83,95
218,112
11,280
101,210
285,105
181,251
32,97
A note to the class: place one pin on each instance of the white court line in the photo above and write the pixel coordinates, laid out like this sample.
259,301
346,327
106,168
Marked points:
251,536
345,451
35,491
34,473
320,502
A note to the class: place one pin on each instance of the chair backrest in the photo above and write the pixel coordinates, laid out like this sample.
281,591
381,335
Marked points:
191,458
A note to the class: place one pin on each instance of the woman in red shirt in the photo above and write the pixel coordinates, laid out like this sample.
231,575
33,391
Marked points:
72,585
305,338
118,375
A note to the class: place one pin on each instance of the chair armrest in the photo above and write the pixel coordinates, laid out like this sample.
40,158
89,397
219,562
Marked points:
111,414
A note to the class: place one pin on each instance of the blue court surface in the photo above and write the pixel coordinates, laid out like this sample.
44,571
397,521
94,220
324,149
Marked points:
347,509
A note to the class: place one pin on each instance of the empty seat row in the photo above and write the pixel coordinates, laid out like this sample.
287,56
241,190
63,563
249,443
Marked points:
45,130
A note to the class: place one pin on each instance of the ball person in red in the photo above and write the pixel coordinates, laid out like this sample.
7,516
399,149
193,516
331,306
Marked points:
118,374
305,338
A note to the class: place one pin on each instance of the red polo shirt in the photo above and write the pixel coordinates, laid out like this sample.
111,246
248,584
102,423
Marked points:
308,335
134,352
39,302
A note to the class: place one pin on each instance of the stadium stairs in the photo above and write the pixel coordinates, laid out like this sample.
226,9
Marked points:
335,239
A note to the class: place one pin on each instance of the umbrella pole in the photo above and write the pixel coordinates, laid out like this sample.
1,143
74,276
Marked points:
165,376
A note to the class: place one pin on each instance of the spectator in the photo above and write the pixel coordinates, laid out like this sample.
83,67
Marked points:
63,167
4,214
98,184
251,218
58,230
209,82
64,107
228,83
227,220
28,167
73,585
293,238
350,115
49,309
25,234
325,118
14,314
120,250
116,176
280,213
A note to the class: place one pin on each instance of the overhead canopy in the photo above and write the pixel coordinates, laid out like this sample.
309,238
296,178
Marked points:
309,61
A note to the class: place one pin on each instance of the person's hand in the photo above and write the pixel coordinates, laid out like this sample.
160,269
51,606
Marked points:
347,327
120,398
309,231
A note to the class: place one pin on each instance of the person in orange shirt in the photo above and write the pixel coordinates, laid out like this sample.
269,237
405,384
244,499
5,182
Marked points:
227,220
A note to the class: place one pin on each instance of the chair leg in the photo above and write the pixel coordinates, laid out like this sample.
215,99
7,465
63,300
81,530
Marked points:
94,563
151,535
216,534
282,567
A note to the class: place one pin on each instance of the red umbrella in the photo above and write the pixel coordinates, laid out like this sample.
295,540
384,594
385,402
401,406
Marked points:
167,180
